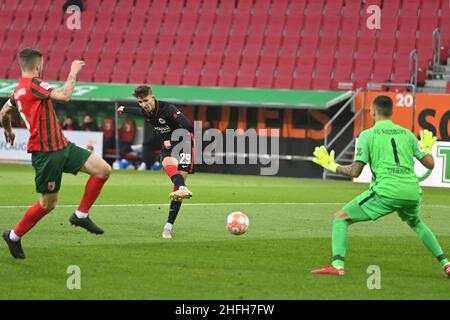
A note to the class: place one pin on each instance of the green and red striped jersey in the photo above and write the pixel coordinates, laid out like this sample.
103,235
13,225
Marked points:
32,99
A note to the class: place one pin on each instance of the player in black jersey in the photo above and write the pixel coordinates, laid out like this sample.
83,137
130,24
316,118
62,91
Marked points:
165,119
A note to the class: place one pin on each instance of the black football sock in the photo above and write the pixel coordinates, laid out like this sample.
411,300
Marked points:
173,211
177,180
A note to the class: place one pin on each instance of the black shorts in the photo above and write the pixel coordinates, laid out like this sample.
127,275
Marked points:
183,154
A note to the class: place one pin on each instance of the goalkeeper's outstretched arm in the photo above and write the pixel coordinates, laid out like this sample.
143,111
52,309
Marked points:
326,160
352,170
427,140
428,161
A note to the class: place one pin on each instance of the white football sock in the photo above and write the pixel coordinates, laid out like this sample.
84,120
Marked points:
81,215
168,226
13,236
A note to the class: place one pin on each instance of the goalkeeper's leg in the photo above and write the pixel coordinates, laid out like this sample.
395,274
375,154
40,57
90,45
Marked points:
431,243
340,241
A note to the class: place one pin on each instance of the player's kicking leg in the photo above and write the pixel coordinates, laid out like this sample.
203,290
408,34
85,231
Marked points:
181,192
13,237
99,171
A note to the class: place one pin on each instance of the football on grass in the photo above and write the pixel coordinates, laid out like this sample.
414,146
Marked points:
237,223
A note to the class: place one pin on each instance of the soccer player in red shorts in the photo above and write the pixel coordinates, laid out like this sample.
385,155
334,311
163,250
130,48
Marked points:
165,118
51,153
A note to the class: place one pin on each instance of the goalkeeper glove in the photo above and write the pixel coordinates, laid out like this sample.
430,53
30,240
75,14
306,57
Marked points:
427,141
322,158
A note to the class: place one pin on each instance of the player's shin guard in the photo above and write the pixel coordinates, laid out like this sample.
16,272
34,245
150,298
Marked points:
31,217
175,176
91,192
430,241
339,242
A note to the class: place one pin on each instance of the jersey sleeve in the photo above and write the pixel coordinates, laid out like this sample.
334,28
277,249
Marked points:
135,111
40,89
11,102
179,118
362,148
417,151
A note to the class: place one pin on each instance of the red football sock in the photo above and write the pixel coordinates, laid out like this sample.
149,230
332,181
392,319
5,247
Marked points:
91,192
171,170
31,217
175,188
175,176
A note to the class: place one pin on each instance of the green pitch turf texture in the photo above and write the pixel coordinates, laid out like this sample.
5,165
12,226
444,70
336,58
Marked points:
289,235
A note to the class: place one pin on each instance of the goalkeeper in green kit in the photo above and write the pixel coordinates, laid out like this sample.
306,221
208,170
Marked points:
389,150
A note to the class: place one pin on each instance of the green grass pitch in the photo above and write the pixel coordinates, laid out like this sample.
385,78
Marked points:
289,235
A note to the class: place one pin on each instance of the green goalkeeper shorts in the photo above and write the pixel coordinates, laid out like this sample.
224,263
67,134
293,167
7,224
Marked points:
49,166
371,205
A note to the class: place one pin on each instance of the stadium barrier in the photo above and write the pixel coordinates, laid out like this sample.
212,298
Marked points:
432,112
18,151
299,115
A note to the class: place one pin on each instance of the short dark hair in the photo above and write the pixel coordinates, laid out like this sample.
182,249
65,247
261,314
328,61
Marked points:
28,58
383,104
142,91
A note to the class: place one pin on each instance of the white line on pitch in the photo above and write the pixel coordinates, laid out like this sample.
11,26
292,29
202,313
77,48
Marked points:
212,204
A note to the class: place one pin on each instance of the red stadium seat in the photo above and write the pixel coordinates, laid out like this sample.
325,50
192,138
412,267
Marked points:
323,72
333,8
209,7
363,69
267,43
192,72
382,70
344,67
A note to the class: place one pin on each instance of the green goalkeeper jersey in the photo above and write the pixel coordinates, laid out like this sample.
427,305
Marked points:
390,150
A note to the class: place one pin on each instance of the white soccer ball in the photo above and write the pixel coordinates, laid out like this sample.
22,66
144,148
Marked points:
237,223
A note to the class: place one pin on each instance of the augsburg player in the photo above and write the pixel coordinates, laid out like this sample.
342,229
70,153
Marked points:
51,153
390,151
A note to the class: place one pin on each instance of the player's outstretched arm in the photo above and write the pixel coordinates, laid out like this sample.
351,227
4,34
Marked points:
135,111
426,143
326,160
64,94
5,120
352,170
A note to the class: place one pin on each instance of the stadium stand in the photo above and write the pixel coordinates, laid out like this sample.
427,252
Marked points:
266,43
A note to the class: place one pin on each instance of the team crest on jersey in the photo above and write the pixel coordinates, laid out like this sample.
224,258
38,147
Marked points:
162,121
45,85
51,186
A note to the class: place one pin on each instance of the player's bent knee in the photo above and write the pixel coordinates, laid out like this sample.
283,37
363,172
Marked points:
106,170
342,215
414,224
49,205
103,171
